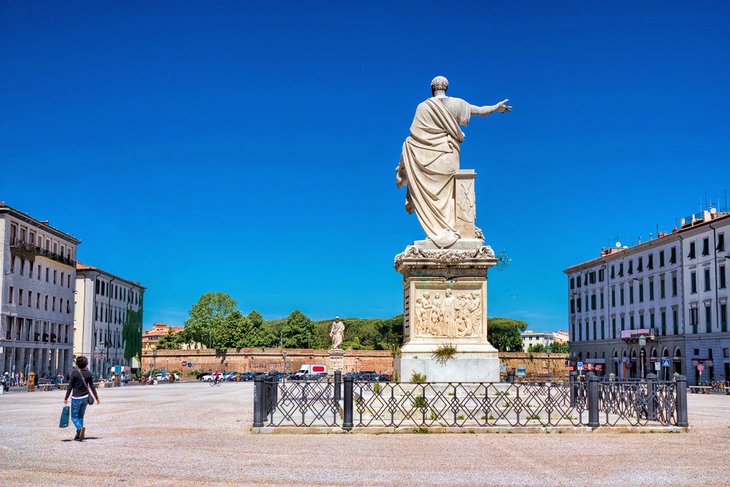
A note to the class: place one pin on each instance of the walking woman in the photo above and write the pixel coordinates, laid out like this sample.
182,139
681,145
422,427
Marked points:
80,386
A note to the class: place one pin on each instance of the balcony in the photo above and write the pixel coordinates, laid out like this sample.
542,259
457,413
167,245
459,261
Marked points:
30,251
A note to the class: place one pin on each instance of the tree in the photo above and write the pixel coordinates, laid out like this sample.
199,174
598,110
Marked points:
231,332
299,332
536,348
171,341
257,335
557,347
207,315
504,334
132,331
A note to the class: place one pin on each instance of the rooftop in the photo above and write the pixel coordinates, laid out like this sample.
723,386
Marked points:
43,224
689,223
83,268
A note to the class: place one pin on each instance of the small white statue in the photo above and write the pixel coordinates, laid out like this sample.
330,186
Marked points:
337,333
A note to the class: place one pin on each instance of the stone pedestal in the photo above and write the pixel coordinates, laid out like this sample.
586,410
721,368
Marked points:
445,303
336,361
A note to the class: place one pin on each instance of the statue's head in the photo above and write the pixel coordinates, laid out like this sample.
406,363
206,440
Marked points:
448,293
439,83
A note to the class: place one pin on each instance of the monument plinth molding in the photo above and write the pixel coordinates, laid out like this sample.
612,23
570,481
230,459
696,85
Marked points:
335,361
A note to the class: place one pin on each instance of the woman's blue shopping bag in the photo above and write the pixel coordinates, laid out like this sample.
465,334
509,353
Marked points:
65,413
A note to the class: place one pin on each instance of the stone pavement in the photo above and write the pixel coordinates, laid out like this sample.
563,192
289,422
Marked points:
194,434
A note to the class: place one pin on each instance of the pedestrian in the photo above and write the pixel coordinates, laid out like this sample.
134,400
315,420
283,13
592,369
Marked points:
80,386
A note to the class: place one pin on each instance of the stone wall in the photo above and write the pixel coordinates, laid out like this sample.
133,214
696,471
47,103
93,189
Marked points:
264,360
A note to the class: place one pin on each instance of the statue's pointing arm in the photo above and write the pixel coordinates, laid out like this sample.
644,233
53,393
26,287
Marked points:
500,107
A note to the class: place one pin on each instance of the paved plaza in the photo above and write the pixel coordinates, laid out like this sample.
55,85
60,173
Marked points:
195,434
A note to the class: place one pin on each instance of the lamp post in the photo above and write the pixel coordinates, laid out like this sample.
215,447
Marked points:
642,343
283,355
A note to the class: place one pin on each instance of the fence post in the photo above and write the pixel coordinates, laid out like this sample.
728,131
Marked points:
347,420
681,382
593,400
573,387
338,385
258,402
652,396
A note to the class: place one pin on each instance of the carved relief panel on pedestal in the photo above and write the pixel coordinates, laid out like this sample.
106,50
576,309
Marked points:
448,312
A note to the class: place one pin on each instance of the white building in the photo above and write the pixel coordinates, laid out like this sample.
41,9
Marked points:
36,295
544,338
671,290
103,302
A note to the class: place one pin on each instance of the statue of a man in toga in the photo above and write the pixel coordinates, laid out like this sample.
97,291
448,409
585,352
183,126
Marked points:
430,160
337,333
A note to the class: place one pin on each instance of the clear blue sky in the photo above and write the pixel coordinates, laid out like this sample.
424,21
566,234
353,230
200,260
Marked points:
250,147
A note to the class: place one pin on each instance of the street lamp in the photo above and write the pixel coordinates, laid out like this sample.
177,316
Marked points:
283,355
642,343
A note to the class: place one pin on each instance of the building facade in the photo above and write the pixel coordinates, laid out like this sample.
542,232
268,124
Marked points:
544,338
660,306
104,303
36,295
158,330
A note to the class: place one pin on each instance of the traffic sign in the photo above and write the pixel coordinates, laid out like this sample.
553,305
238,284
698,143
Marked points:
700,367
580,365
657,366
190,364
665,362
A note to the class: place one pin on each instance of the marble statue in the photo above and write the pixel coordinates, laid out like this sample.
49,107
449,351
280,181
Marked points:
430,160
337,333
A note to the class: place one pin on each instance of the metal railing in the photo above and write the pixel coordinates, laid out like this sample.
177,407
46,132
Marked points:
589,403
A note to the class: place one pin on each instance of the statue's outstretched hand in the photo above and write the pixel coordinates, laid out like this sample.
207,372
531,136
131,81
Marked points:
502,106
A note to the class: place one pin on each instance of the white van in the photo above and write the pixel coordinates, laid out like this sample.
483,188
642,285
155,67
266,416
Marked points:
307,369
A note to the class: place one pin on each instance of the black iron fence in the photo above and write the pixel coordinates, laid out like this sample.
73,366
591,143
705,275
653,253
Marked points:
348,404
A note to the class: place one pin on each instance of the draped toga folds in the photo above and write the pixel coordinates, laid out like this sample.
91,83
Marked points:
428,165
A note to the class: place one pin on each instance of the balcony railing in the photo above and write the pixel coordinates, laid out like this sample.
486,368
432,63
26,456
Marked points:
28,248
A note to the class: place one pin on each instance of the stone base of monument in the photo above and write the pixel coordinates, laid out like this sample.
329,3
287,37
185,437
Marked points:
336,361
476,366
445,308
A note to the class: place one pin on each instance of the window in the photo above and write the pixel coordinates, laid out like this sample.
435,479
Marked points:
721,277
46,304
650,262
695,352
613,326
30,298
577,303
572,283
595,334
674,284
631,320
10,295
621,296
675,321
640,265
708,318
20,297
693,319
661,258
613,271
53,308
652,324
593,301
723,318
39,272
600,275
631,267
613,296
641,292
22,266
47,270
631,293
664,321
693,282
601,299
572,306
651,289
707,279
706,246
603,330
720,242
68,281
692,252
641,321
623,322
662,293
673,255
55,272
38,300
621,269
96,286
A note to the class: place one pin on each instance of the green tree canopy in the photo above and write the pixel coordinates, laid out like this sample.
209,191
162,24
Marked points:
557,347
299,332
504,334
171,341
207,315
257,335
536,348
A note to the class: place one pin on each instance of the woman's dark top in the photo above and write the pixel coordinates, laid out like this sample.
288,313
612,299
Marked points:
80,384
